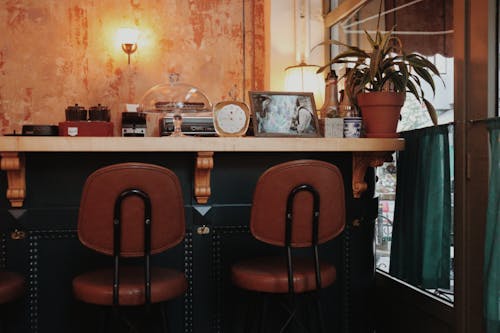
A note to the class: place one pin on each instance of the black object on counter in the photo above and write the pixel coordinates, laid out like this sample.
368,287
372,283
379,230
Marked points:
40,130
76,113
99,113
133,124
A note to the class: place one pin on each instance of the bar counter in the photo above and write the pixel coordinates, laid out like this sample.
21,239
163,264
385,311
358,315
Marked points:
368,152
41,179
193,144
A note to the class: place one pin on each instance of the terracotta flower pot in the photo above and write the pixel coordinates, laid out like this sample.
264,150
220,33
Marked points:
380,112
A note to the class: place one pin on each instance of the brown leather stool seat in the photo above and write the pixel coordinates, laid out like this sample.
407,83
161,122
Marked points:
270,275
96,287
11,286
298,204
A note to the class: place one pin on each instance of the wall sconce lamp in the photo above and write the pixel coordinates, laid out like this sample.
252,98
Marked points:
128,39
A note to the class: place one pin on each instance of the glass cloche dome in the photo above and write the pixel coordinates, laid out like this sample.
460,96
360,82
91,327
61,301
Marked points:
176,100
174,97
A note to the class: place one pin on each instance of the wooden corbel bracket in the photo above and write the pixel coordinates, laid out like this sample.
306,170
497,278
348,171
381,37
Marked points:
13,164
203,167
360,162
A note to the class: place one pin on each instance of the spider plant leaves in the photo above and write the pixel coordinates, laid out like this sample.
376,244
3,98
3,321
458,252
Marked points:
416,60
398,79
375,63
384,40
424,74
386,66
370,39
404,70
379,51
350,56
412,88
339,43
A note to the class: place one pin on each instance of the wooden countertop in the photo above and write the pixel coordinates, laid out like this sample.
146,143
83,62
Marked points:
366,153
194,144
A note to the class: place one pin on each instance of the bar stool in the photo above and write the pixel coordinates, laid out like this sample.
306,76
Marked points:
131,210
298,204
11,289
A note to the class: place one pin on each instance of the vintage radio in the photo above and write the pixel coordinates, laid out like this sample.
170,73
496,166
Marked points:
196,126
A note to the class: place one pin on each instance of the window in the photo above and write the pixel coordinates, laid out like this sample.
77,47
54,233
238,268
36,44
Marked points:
435,43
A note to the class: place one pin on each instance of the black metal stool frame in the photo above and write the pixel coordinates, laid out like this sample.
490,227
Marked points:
315,253
314,246
117,242
147,250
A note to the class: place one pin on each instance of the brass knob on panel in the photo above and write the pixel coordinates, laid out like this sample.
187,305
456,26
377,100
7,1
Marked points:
18,234
203,230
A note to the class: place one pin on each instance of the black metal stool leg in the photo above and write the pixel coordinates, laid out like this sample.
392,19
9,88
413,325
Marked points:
309,314
164,318
116,320
292,310
320,313
294,319
2,324
104,319
251,306
262,325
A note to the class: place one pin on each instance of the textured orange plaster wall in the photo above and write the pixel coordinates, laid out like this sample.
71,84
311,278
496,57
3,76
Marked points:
57,53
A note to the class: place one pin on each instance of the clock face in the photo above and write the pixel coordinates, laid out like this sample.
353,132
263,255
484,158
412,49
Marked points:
232,119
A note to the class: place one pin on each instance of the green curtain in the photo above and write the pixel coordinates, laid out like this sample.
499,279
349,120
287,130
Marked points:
420,251
492,236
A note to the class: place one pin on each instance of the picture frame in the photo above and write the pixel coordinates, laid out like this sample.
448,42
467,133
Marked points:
284,114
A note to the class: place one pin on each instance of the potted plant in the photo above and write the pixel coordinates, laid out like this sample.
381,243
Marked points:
379,79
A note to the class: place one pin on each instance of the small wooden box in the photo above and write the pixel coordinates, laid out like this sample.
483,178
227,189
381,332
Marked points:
334,127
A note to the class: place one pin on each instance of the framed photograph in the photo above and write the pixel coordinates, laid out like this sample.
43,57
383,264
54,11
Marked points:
284,114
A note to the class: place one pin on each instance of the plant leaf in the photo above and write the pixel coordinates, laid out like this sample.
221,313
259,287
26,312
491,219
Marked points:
431,111
336,42
370,39
413,89
403,67
419,61
424,74
346,58
375,62
415,78
346,55
385,39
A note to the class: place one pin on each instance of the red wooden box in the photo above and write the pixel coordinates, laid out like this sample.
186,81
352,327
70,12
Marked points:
86,128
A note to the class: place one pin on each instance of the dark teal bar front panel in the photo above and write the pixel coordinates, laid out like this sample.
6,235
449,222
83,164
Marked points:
51,253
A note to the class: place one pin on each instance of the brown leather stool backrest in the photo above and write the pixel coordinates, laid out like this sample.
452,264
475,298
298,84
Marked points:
102,188
267,221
